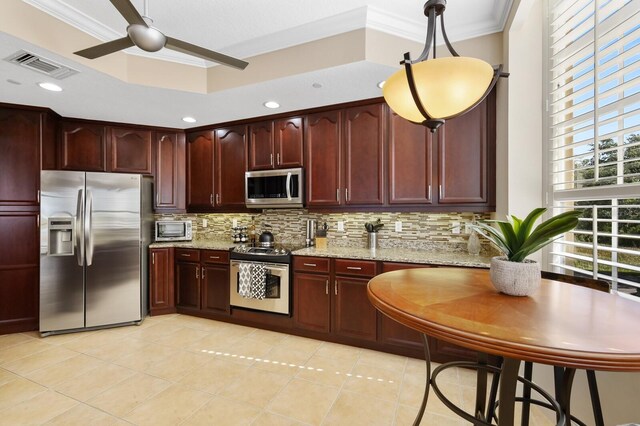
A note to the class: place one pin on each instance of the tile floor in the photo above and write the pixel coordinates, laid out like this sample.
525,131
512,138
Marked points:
177,369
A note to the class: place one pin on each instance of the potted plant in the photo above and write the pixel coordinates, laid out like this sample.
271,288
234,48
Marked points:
513,273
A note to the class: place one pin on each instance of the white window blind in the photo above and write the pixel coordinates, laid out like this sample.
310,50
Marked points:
593,107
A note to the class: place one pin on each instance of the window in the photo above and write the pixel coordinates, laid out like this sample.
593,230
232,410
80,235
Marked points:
593,116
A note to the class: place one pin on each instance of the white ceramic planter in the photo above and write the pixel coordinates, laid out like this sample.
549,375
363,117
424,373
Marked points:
515,278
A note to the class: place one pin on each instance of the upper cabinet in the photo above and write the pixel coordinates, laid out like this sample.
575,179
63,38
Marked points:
276,144
131,151
323,158
200,171
82,146
169,172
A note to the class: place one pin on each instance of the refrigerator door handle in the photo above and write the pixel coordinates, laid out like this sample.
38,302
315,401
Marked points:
80,228
88,231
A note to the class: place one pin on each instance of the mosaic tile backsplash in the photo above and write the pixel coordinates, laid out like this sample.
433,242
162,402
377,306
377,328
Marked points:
423,231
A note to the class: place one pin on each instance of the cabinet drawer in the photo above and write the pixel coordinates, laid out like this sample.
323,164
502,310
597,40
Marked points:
187,254
311,264
215,256
366,268
393,266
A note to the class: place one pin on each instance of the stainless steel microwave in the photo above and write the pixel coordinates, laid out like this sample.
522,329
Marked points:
274,188
173,230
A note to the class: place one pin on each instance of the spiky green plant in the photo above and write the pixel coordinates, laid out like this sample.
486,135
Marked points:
515,237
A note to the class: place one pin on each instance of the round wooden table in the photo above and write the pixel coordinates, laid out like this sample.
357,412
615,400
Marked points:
561,324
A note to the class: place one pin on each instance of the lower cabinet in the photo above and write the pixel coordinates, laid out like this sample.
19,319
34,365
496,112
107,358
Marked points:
161,281
311,302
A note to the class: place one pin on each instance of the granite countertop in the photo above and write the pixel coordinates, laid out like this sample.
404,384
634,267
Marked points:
400,255
386,254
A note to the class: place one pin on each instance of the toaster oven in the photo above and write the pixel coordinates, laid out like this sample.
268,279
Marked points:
174,230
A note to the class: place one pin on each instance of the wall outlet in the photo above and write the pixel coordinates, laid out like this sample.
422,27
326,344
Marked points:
234,223
467,228
455,227
341,226
205,223
398,226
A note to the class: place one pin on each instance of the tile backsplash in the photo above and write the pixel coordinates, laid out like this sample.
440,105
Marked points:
425,231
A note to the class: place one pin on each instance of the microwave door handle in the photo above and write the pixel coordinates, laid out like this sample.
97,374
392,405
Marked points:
288,185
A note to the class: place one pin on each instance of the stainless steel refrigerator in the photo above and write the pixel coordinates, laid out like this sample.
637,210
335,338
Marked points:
94,232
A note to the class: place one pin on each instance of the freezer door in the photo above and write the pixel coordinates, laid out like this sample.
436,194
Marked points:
113,247
61,251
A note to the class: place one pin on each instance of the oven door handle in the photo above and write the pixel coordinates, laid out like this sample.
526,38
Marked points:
272,266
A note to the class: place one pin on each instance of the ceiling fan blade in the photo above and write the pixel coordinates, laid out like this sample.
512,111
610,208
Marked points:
105,48
201,52
128,12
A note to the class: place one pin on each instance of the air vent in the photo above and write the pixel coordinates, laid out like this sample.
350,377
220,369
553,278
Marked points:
40,64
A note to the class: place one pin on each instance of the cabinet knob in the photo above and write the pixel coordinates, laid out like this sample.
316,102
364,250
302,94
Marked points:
309,264
355,268
271,159
218,199
202,272
346,194
335,287
278,159
326,287
197,273
211,199
338,195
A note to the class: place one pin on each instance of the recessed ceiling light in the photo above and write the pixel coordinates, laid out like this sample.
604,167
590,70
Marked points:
188,119
316,85
50,86
381,84
272,104
12,81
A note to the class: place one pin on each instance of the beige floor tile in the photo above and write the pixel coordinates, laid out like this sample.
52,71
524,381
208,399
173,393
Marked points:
270,419
55,374
413,389
182,338
216,341
6,376
359,410
82,415
283,361
223,411
8,340
91,340
42,359
328,371
175,367
214,375
169,407
201,324
255,387
154,331
128,394
94,382
116,349
334,350
21,350
375,382
382,360
405,415
300,344
305,401
61,339
37,410
146,356
17,391
251,348
267,336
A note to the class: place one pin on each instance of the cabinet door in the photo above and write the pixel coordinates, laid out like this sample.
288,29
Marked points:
288,142
353,315
188,285
231,163
311,306
410,159
83,147
200,171
161,288
131,151
215,288
19,157
323,158
462,158
170,174
261,148
19,273
364,155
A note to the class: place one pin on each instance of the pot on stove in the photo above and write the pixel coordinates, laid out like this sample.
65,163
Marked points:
266,239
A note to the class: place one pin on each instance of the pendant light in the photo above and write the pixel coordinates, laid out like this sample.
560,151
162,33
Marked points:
430,91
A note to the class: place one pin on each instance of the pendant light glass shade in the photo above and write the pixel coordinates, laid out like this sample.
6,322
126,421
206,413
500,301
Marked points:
446,87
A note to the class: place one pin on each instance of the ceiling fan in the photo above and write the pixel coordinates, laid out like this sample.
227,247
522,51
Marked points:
144,36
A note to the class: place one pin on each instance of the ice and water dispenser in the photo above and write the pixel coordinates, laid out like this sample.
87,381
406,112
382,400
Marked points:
61,230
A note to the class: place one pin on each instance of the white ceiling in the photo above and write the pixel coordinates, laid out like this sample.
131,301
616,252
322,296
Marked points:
239,28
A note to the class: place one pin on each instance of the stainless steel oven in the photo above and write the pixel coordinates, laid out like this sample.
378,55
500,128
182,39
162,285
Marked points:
277,288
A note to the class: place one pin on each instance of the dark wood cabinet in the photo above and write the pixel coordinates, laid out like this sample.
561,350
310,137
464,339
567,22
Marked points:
161,281
230,165
364,154
131,151
261,146
82,146
312,303
215,281
200,171
19,157
19,271
353,315
410,162
289,142
323,158
188,285
169,172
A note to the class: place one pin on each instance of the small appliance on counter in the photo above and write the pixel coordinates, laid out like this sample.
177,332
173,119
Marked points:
174,230
311,233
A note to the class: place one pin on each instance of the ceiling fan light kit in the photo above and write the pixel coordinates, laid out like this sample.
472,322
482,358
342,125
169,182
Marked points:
150,39
430,91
